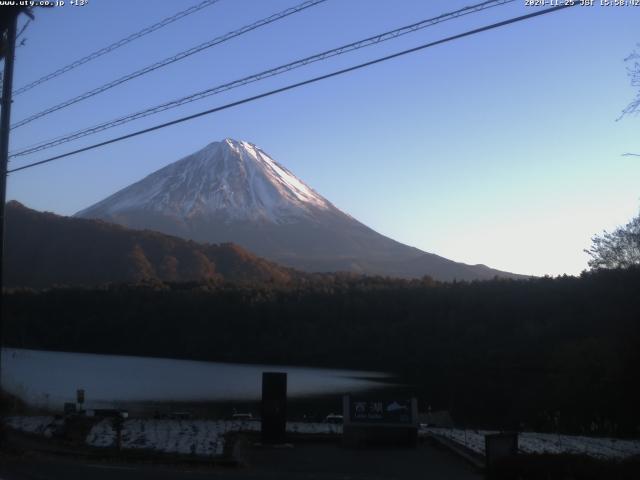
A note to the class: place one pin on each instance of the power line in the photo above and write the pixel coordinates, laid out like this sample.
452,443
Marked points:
22,30
296,85
116,45
175,58
260,76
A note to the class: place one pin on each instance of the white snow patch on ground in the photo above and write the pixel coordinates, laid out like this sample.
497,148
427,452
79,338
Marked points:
102,434
533,442
190,437
42,425
206,437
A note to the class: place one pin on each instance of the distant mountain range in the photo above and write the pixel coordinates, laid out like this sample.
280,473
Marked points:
232,191
44,249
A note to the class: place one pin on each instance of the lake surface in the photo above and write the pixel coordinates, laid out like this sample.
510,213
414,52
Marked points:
49,379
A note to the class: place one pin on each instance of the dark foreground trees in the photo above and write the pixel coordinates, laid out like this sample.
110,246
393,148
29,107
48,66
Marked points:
557,353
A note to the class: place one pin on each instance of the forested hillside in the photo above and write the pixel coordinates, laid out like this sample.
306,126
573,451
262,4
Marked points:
44,249
497,353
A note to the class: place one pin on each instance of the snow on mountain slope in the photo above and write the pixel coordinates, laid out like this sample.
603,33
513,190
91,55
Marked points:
232,191
235,179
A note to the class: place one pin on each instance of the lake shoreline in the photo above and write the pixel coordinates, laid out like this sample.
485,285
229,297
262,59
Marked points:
46,380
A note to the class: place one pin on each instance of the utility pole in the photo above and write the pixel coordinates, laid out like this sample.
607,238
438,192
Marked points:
5,126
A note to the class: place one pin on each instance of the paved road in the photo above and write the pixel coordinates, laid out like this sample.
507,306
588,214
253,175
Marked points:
303,461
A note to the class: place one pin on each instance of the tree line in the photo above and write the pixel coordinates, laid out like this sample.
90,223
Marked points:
547,353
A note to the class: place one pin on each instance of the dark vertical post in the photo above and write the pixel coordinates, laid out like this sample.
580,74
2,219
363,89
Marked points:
5,119
500,447
274,407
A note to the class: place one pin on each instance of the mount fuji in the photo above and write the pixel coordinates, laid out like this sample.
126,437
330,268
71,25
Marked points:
232,191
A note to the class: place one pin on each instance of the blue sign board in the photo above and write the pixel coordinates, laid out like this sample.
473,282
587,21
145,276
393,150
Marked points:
380,411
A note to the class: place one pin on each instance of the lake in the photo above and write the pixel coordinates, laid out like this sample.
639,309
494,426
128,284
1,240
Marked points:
49,379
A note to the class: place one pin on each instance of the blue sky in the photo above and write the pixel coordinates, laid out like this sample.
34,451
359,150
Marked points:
501,148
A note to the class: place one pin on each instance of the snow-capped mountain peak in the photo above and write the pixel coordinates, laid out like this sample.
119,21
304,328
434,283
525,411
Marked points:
230,178
232,191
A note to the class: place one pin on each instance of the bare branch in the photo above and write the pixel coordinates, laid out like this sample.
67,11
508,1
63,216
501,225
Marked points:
633,72
618,249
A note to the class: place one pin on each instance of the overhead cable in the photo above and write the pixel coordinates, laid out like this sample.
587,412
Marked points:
295,85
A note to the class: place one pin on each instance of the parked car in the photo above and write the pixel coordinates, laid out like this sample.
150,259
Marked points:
334,418
107,413
180,415
242,417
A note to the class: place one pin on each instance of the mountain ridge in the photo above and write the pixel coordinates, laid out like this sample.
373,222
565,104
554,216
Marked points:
233,191
44,249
